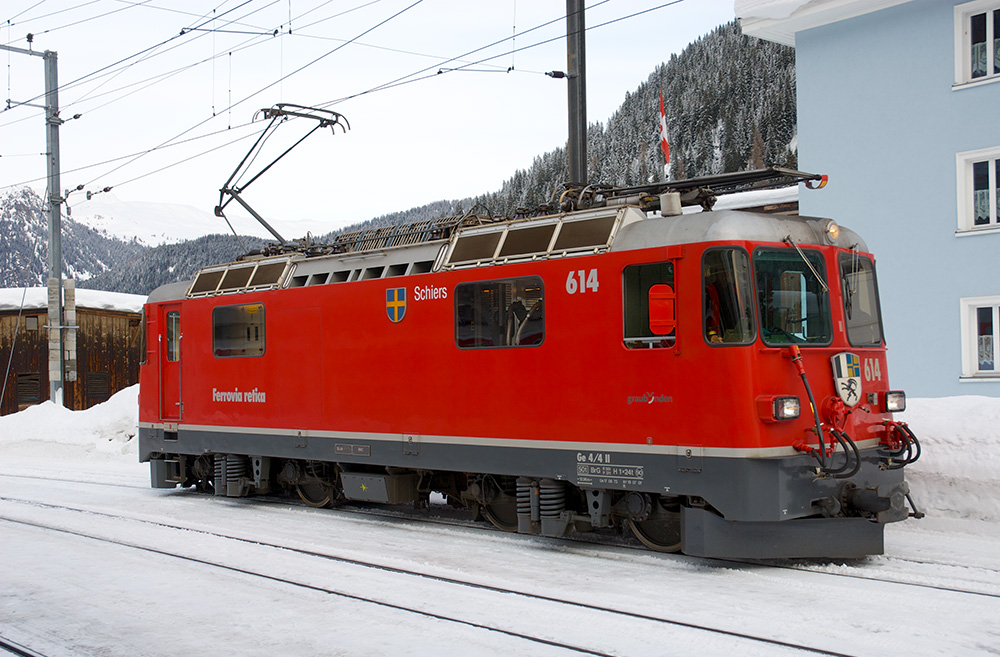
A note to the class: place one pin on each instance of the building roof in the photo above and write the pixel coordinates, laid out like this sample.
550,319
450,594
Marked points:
779,20
35,298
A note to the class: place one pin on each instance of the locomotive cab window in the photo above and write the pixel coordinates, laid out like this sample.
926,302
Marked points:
727,297
794,307
857,283
503,313
650,315
238,330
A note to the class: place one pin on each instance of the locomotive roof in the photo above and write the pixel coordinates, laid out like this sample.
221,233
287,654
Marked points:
731,226
612,219
609,229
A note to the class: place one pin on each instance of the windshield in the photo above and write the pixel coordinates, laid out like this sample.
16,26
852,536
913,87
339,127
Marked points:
794,309
857,280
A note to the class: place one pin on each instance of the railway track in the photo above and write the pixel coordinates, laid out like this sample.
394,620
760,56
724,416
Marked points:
399,515
415,547
14,648
627,543
572,608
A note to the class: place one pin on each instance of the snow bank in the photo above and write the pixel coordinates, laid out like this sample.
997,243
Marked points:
956,477
958,474
106,431
38,297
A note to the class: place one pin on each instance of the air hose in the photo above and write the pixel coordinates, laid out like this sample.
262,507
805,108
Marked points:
844,471
796,355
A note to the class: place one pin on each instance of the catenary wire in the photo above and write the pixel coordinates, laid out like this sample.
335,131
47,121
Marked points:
83,78
129,155
599,25
268,86
91,18
398,82
237,48
23,11
395,83
116,72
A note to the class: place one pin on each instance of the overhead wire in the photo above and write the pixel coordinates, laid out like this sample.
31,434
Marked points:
239,47
162,76
673,2
398,82
50,14
408,79
83,78
268,86
127,66
87,20
128,155
8,21
246,44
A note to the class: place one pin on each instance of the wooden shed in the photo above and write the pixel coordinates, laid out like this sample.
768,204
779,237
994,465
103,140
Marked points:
108,347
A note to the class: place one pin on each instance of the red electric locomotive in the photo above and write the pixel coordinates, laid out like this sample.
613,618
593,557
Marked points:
716,382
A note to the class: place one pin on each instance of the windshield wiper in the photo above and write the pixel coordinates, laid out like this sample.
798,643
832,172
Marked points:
826,288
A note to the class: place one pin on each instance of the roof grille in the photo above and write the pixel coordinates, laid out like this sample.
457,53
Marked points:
239,277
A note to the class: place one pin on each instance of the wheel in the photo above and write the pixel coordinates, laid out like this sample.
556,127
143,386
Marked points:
661,531
498,505
315,492
501,515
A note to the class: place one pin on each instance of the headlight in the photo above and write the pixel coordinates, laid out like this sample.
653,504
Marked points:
832,232
786,408
895,401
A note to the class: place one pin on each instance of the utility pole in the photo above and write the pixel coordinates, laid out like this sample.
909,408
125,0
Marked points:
55,201
576,72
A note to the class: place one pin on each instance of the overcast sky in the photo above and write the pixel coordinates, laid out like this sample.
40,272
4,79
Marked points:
436,136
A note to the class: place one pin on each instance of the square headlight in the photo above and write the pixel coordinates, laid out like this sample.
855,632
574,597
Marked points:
895,401
786,408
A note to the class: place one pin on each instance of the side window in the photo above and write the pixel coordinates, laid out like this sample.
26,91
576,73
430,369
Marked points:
173,336
238,330
977,41
857,282
645,288
979,190
980,337
502,313
727,297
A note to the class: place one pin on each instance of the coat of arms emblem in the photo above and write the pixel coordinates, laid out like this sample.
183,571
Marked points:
847,377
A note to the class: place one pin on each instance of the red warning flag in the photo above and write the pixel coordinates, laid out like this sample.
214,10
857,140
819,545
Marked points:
663,131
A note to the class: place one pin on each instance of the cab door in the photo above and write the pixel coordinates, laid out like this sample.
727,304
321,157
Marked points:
171,406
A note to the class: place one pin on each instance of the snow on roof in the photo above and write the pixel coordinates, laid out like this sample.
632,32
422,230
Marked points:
38,297
780,20
776,9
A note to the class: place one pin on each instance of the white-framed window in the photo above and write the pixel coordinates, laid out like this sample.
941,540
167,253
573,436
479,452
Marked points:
981,338
979,190
977,42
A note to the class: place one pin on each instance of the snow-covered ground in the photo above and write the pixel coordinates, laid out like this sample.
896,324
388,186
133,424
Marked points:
64,594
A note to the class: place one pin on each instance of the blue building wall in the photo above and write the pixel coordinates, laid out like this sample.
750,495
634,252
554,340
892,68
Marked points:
876,111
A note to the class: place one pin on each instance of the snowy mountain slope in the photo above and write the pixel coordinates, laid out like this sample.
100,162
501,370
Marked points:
148,223
153,224
24,243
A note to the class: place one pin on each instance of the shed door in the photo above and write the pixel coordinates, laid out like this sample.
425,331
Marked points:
170,363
